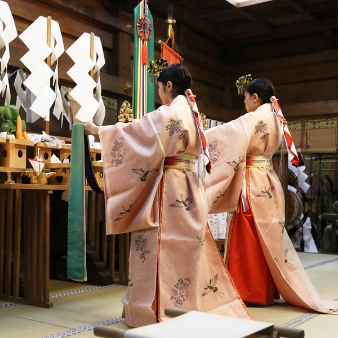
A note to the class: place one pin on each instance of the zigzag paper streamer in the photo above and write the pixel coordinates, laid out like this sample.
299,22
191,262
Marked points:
92,107
38,83
7,34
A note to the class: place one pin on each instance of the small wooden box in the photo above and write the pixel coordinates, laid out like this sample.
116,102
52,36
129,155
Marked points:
13,153
65,152
95,154
62,171
45,151
98,172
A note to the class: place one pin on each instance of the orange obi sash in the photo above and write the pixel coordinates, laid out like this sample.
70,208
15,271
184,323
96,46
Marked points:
182,161
258,161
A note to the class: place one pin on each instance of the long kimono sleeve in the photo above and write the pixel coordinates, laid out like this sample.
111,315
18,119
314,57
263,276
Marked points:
228,144
133,156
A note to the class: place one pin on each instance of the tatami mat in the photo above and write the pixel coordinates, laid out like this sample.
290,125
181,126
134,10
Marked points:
77,308
321,326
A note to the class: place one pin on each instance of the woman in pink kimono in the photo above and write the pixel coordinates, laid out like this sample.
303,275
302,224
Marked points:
260,257
153,191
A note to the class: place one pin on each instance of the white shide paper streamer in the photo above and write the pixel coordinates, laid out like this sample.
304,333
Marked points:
92,107
7,34
41,95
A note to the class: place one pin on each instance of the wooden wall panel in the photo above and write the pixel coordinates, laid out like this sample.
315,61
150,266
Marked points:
74,26
305,84
301,92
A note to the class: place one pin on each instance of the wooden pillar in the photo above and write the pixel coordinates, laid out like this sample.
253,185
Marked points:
124,63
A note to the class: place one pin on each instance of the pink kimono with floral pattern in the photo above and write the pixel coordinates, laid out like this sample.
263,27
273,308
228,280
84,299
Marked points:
260,133
174,261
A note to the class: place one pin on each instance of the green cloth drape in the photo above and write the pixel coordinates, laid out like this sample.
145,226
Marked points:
76,254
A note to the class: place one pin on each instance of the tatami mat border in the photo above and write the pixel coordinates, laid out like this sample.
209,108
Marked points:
7,305
68,293
63,294
321,263
85,328
300,319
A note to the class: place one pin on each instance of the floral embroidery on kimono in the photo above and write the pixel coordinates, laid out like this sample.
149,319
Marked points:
175,126
144,173
117,154
219,196
183,203
180,292
211,286
234,164
285,253
214,152
141,245
124,213
262,127
266,192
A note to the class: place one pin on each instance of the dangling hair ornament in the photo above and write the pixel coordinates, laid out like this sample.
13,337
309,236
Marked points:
242,83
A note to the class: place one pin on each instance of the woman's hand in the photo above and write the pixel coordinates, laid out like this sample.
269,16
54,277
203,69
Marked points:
91,128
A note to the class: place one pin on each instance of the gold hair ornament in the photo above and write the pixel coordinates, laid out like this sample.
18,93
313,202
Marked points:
242,82
156,67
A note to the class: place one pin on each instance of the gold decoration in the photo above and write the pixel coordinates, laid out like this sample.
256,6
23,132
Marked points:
205,122
127,88
170,23
128,26
36,177
126,113
242,82
155,68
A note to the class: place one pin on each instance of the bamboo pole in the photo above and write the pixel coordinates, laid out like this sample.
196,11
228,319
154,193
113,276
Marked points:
49,43
92,52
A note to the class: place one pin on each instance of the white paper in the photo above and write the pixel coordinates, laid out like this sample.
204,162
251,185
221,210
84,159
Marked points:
54,159
57,111
43,102
66,108
222,225
79,52
38,31
7,18
38,83
83,90
81,69
35,56
7,34
199,324
39,78
88,110
101,111
215,230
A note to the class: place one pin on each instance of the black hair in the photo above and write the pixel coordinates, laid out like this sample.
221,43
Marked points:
178,75
263,88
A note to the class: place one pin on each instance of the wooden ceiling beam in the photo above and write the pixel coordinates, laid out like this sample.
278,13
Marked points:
81,9
181,15
301,8
322,6
287,31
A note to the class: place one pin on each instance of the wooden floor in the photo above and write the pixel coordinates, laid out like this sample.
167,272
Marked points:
78,308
